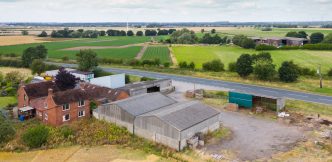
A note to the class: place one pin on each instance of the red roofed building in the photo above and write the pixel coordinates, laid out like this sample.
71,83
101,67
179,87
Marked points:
52,106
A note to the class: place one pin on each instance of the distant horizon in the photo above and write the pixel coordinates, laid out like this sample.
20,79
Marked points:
161,22
69,11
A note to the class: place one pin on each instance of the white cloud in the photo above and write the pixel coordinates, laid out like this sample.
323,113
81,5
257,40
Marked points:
163,10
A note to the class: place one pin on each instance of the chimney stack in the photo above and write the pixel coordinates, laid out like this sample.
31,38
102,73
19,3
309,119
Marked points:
50,92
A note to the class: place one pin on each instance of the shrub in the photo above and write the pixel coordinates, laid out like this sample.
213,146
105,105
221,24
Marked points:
67,131
65,58
214,65
288,72
11,63
330,73
290,47
35,137
191,66
183,65
98,72
232,67
316,37
7,131
320,46
264,69
263,47
306,71
167,64
134,62
244,65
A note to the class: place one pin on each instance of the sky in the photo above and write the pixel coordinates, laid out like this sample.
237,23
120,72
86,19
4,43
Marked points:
164,10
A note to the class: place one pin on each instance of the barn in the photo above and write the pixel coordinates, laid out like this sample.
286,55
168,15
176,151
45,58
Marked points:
159,118
161,85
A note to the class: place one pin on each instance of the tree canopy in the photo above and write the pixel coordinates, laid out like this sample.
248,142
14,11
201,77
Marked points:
87,60
317,37
184,36
64,80
244,65
288,72
31,53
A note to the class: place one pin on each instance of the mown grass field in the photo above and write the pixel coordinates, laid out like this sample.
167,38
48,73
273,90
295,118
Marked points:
158,52
227,54
55,49
277,32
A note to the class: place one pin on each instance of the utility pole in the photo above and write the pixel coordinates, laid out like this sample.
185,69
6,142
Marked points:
319,72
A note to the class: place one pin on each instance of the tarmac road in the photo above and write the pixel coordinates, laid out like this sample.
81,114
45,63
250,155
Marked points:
266,91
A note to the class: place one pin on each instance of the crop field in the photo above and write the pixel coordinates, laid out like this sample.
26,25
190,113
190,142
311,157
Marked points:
227,54
160,52
276,32
55,49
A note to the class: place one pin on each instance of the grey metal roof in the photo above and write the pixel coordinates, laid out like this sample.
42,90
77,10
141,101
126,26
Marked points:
143,84
145,103
184,115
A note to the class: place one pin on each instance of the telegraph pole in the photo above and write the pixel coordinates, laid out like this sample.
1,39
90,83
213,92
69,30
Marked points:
319,72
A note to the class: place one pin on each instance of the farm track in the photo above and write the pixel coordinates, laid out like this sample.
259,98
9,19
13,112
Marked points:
141,53
173,58
102,47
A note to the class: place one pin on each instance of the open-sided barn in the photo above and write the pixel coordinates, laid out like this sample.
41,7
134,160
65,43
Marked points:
161,119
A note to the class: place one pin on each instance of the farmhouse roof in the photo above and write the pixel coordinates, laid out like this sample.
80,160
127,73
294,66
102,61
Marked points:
37,90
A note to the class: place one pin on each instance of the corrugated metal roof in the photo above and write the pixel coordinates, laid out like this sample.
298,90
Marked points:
143,84
185,114
145,103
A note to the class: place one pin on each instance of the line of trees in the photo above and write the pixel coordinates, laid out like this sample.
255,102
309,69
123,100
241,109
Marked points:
80,33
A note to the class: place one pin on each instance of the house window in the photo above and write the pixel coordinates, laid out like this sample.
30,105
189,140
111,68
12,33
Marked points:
45,105
46,116
81,103
66,117
81,113
65,107
25,97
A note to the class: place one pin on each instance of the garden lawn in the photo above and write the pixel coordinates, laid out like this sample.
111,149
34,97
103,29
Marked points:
157,52
55,48
227,54
4,101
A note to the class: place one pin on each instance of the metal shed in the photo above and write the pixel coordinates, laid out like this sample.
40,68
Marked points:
161,85
161,119
249,100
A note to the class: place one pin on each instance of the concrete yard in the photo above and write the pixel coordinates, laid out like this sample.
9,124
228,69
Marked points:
254,138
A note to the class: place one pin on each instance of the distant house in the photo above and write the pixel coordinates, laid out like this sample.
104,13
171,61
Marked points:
55,107
161,119
82,75
279,42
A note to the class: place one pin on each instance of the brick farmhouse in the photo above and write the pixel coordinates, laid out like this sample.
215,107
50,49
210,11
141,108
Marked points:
52,106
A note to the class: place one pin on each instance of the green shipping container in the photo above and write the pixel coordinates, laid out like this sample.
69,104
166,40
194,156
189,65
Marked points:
242,99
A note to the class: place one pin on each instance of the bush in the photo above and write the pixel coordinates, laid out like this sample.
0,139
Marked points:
214,65
263,47
288,72
65,58
7,131
134,62
11,63
36,137
319,46
244,65
264,70
330,73
290,47
67,131
167,64
306,71
191,66
183,65
232,67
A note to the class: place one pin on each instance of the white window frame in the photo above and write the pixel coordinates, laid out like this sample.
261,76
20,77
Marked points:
64,117
65,109
25,97
81,115
79,103
45,105
45,116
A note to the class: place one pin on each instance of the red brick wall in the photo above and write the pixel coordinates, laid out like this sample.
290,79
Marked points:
20,98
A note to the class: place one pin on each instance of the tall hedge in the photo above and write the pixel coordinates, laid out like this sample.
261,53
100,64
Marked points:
35,137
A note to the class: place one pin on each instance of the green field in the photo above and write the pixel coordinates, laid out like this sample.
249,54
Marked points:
227,54
55,48
4,101
276,32
160,52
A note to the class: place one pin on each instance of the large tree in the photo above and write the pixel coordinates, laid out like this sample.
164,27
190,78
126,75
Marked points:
64,80
184,36
38,66
87,60
43,34
244,65
264,69
31,53
316,37
328,38
288,72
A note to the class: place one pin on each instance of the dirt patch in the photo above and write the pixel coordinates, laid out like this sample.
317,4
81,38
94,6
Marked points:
14,40
255,138
171,53
141,53
101,47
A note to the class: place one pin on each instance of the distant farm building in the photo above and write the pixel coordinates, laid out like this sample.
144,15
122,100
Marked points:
82,75
162,85
279,42
161,119
112,81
